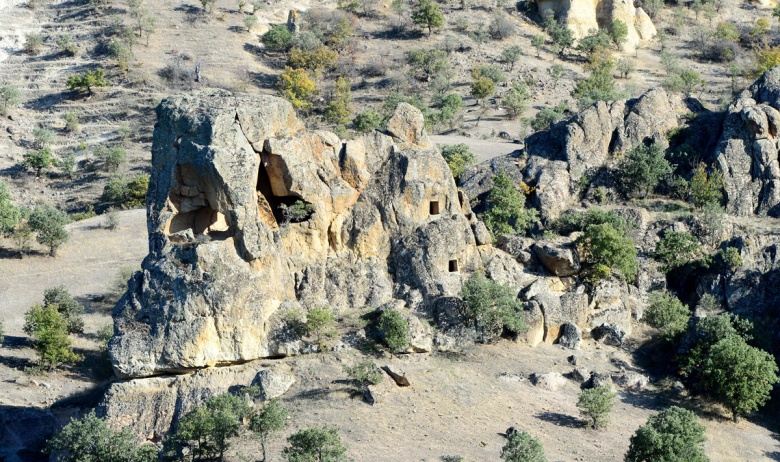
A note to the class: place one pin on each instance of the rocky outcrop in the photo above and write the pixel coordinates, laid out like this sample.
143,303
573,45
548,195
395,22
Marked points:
584,16
247,211
555,161
747,153
150,406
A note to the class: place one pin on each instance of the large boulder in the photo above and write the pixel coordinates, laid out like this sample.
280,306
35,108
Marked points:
248,212
558,256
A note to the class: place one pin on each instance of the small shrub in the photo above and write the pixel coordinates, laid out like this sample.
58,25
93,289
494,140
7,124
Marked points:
67,46
297,212
297,87
48,223
595,404
394,330
667,313
643,168
111,220
426,63
9,97
38,160
126,193
67,305
506,213
271,419
87,81
365,374
706,188
32,44
676,248
426,13
319,322
602,244
72,123
111,158
501,27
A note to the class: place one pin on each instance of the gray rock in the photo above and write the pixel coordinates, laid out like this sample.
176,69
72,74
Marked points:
631,381
481,233
550,381
558,256
580,374
273,383
599,379
610,334
571,336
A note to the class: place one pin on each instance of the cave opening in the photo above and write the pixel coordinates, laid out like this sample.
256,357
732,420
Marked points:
434,208
453,266
275,209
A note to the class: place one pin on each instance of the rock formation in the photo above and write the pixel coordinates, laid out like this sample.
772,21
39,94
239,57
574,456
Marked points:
583,16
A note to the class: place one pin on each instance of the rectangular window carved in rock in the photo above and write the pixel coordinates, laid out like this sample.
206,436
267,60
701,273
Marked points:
453,266
434,209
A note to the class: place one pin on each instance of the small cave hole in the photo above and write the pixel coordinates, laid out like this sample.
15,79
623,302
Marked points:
453,266
434,208
279,209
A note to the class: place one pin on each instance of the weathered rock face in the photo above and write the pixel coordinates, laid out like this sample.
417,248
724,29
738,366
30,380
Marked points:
555,160
378,218
582,16
747,153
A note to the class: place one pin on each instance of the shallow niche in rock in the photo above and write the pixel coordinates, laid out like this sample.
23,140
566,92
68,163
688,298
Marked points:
274,209
193,214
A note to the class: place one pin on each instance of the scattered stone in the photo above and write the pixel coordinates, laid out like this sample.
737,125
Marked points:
550,381
572,360
580,374
599,379
609,334
631,381
571,336
273,383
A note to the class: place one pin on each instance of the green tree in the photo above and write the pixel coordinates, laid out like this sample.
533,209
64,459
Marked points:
207,429
319,322
9,97
506,212
394,330
10,215
595,404
38,160
87,81
271,419
49,225
492,307
522,447
367,121
426,63
458,157
482,87
67,305
278,38
315,444
511,55
643,168
537,41
112,158
297,87
738,375
667,313
90,439
427,14
49,330
672,435
599,86
561,36
618,32
676,248
706,188
338,110
605,247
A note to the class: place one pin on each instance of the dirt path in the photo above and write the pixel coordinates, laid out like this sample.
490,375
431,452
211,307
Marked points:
483,149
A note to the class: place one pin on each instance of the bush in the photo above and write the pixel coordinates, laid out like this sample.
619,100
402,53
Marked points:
684,81
676,249
67,306
425,64
501,27
605,246
297,212
49,330
595,404
572,221
206,430
511,55
32,44
643,168
672,435
297,87
618,32
71,122
515,100
317,60
334,28
67,46
111,158
738,375
338,111
269,420
482,86
319,322
365,374
522,447
9,97
367,121
49,225
394,330
706,188
492,307
126,193
322,444
544,119
599,86
458,157
90,439
505,208
667,313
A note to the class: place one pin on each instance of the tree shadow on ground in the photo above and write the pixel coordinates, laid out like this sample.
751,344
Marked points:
561,420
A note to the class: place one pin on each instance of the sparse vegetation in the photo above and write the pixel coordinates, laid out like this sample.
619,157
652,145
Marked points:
49,330
271,419
394,330
672,435
315,444
492,307
458,158
522,447
667,313
595,404
506,213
